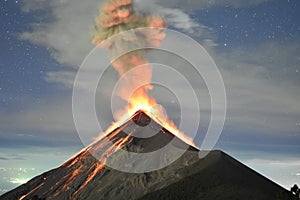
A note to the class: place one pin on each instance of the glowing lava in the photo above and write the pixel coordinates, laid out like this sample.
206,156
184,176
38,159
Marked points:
117,17
150,107
118,29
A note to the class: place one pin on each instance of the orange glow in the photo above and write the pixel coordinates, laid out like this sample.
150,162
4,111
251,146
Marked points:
99,165
32,191
142,101
72,177
118,16
98,168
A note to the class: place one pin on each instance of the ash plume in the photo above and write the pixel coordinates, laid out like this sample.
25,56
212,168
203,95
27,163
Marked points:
118,18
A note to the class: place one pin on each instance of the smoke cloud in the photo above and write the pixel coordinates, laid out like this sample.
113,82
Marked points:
118,18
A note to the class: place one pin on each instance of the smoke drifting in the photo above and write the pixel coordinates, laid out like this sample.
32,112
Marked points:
118,18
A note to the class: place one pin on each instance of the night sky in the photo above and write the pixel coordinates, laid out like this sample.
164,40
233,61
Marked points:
255,45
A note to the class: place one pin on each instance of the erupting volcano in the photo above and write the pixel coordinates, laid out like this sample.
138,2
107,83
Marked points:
110,167
124,33
88,167
85,175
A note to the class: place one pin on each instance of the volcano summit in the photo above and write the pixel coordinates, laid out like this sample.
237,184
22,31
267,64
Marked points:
87,175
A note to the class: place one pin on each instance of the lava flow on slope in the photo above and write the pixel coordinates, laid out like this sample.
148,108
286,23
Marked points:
87,175
87,170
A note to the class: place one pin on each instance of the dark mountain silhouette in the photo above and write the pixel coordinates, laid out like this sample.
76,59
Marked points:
216,176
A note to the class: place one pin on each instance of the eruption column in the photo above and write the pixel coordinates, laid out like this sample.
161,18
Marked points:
117,18
120,29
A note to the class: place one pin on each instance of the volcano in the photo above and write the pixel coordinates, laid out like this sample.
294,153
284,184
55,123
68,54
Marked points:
87,175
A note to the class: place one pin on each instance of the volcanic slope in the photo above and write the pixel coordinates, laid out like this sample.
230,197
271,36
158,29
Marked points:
85,175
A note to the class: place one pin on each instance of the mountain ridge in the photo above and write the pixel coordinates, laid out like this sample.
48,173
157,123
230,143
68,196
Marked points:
87,175
196,180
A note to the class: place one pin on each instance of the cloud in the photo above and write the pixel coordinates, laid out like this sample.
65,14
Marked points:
197,5
281,170
274,162
176,18
68,34
37,161
49,123
65,78
261,81
262,87
68,31
46,117
278,58
3,158
258,107
32,5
